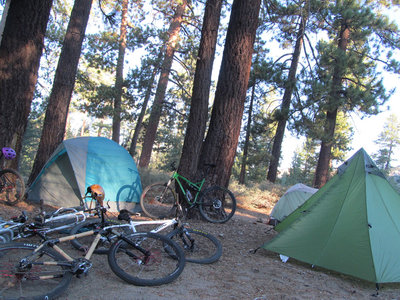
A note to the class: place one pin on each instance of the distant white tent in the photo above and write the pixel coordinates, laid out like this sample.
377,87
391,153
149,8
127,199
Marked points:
295,196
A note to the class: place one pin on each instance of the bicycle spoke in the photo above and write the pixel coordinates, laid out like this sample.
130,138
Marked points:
144,261
34,279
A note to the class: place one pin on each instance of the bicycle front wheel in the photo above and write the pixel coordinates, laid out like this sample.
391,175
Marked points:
217,204
146,259
199,247
12,186
33,280
158,201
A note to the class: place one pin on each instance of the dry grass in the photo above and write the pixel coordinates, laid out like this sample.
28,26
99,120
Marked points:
257,196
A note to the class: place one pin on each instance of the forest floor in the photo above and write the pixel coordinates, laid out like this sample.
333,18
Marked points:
239,274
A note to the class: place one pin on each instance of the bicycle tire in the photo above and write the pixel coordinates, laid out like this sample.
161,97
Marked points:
146,263
158,201
26,284
199,247
12,186
217,204
84,243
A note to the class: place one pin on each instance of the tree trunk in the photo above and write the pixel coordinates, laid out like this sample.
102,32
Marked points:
322,170
20,51
220,145
155,115
242,175
139,121
119,77
196,126
285,106
60,97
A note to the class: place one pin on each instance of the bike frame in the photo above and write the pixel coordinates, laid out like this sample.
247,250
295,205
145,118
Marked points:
197,186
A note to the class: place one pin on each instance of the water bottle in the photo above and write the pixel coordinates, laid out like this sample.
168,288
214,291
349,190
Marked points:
189,195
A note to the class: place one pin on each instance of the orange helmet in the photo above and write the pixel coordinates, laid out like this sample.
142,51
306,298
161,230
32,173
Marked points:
97,193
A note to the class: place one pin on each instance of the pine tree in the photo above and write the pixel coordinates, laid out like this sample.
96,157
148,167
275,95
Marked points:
388,140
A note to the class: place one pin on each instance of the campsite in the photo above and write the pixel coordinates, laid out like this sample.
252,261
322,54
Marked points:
357,194
238,275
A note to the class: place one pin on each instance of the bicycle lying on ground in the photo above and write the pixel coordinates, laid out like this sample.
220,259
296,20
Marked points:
63,219
198,246
216,204
12,186
44,271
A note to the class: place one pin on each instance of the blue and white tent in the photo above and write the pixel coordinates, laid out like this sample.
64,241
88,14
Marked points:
80,162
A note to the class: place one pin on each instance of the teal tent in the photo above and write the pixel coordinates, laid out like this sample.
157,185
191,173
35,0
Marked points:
80,162
295,196
351,225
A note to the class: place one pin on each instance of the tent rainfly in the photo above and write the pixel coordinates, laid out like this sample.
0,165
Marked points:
80,162
295,196
351,225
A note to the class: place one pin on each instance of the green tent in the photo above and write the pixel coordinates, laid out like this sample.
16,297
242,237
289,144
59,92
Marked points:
295,196
351,225
80,162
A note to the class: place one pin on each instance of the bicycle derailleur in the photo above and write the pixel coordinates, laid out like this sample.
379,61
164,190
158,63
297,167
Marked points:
81,266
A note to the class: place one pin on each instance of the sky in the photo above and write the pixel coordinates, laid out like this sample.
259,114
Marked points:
366,130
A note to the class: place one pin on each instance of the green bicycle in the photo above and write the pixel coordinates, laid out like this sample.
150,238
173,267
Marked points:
159,200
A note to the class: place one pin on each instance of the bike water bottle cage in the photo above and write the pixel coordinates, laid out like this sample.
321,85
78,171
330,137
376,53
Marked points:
8,153
97,192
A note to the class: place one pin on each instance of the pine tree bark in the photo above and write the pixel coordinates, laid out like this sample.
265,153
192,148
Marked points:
322,170
220,145
156,110
20,51
196,126
286,101
242,175
119,77
64,81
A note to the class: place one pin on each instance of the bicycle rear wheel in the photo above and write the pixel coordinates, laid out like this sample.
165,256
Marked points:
158,201
142,259
35,280
83,243
199,247
12,186
217,204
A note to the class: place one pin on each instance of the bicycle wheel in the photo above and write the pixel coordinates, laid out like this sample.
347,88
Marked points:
106,240
141,259
158,201
12,186
199,247
217,204
35,280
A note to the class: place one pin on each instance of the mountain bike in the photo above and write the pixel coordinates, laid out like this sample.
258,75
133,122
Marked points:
12,186
44,271
199,247
159,200
63,219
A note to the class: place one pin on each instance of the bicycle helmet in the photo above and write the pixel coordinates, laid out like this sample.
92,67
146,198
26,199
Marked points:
97,193
8,153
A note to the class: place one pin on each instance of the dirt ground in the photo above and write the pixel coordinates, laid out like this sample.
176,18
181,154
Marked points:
239,274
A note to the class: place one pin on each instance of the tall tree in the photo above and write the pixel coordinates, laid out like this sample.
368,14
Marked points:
64,81
388,140
220,145
286,100
119,76
148,93
345,77
198,115
171,44
321,173
20,51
